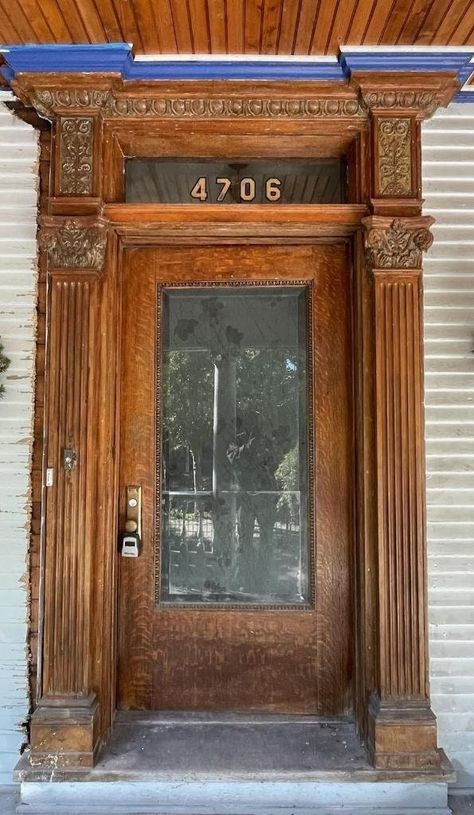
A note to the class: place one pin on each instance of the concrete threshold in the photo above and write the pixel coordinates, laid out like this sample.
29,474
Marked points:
231,764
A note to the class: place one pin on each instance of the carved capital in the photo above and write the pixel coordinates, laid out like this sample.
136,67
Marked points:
398,243
74,243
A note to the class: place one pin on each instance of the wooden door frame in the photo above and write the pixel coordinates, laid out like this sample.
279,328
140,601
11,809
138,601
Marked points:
96,121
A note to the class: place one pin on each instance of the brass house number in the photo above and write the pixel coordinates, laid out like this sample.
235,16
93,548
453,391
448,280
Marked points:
244,190
252,181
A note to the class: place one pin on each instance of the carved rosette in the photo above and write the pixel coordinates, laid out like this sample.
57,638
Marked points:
74,245
394,156
76,156
396,244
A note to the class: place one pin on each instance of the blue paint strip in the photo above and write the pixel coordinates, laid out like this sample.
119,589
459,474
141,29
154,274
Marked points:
117,58
436,60
106,58
464,96
235,69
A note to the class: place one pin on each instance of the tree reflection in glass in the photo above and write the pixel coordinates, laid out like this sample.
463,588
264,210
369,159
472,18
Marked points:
234,445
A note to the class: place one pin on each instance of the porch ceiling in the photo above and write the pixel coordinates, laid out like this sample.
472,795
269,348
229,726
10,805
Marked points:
238,26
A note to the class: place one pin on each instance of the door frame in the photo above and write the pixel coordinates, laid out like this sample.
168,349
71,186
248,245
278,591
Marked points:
97,121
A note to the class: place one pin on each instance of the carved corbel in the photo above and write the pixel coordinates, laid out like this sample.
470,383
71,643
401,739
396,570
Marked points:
396,243
397,103
76,114
74,243
51,103
414,94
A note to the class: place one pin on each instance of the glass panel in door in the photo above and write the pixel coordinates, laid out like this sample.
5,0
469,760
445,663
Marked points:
234,446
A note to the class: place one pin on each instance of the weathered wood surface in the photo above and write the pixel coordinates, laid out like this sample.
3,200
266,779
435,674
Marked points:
290,661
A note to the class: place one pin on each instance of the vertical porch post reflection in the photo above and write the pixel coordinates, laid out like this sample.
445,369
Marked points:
224,434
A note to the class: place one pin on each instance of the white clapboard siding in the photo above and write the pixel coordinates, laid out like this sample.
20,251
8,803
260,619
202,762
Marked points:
18,199
448,188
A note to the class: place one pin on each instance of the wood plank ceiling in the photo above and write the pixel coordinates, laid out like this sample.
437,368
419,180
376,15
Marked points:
238,26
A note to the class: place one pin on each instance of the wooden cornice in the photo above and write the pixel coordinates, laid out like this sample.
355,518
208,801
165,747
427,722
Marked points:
55,95
413,94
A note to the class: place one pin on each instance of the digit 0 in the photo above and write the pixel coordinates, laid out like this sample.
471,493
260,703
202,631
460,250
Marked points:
247,189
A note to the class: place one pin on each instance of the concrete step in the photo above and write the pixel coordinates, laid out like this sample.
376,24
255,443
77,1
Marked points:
229,796
230,764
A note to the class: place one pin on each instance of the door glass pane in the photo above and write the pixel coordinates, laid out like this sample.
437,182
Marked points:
250,181
234,441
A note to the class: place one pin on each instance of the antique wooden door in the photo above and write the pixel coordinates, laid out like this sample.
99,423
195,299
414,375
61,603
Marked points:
236,425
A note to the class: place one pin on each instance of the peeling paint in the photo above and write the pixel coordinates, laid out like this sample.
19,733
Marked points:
17,329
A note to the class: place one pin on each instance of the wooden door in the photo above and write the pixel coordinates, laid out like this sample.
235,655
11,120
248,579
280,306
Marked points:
197,631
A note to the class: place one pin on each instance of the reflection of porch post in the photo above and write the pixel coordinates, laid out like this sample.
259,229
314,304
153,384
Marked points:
66,722
224,435
224,422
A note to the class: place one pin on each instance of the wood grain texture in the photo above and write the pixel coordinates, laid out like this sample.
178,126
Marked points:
78,560
67,566
400,485
285,661
399,725
67,707
239,26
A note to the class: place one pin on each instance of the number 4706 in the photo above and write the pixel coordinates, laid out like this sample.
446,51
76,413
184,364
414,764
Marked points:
247,189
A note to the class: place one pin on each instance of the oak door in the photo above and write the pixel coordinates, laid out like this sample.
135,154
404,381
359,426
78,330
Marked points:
236,424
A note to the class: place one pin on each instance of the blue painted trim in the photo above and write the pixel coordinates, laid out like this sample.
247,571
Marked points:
435,60
104,58
464,96
117,58
235,69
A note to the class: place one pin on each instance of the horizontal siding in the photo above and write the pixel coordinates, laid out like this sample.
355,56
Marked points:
18,197
448,187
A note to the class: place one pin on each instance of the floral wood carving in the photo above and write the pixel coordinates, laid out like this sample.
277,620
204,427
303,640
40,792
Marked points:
394,157
232,108
76,156
73,245
397,244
